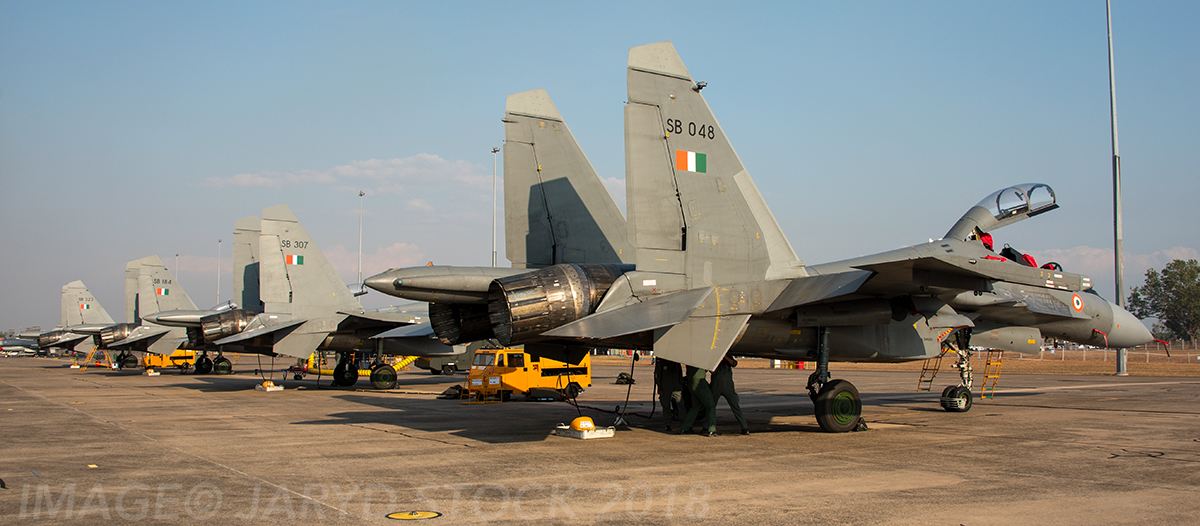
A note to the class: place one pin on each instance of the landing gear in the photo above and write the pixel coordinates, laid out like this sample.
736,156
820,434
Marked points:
383,376
203,364
127,360
345,374
222,365
957,399
836,403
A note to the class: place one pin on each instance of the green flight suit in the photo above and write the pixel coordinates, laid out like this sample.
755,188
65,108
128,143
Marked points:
702,400
722,385
669,378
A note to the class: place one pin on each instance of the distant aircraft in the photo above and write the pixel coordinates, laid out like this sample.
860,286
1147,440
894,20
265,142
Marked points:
82,318
714,273
295,304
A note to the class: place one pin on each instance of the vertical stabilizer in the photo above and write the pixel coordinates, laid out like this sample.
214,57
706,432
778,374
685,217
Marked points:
246,233
557,209
693,209
157,290
79,307
295,277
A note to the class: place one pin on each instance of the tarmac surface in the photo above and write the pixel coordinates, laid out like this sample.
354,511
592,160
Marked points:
98,446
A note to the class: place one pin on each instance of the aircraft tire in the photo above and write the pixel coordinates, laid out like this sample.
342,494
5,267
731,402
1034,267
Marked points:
448,370
345,375
838,407
222,366
383,377
958,393
203,365
129,361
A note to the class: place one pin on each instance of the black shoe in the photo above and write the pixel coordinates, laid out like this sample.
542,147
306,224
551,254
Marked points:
745,431
710,434
668,428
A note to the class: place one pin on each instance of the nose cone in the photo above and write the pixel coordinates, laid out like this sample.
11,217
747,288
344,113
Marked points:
1127,330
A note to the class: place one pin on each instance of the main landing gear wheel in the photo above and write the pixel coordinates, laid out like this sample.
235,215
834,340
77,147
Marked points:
838,407
129,361
222,365
204,365
956,399
449,370
383,377
345,374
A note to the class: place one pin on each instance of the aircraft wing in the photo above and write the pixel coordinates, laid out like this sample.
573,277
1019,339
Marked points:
408,331
953,272
261,331
815,289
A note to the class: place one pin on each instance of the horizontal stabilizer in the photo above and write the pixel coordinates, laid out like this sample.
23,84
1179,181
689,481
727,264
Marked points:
142,333
654,313
381,317
414,330
814,289
261,331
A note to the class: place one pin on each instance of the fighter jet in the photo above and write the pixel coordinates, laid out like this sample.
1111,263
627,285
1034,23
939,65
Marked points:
150,287
295,304
714,273
82,318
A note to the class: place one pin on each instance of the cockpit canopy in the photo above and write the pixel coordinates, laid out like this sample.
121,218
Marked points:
1004,207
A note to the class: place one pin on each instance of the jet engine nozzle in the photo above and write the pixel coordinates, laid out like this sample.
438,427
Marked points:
225,323
522,307
50,338
115,333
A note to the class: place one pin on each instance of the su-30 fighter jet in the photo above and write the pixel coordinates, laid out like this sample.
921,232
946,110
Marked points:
713,274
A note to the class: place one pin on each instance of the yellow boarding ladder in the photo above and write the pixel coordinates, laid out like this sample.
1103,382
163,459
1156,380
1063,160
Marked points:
930,369
991,373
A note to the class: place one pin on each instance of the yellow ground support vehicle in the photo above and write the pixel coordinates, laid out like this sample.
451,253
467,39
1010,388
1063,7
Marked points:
180,358
500,373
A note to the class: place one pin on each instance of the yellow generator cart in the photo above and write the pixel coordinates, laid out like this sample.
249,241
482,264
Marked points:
497,374
180,358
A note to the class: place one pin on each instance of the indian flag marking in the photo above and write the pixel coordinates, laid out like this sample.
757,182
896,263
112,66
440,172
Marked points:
691,161
84,306
293,259
162,292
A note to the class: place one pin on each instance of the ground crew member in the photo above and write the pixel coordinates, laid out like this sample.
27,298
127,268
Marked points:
668,376
702,400
722,385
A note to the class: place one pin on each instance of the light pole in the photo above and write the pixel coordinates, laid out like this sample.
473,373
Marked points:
494,152
1122,356
218,272
176,268
360,215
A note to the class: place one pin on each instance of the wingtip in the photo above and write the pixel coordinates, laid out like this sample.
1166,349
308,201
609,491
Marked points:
279,213
535,103
659,57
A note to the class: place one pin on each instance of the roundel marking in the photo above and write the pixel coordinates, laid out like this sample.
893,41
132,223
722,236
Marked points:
1077,302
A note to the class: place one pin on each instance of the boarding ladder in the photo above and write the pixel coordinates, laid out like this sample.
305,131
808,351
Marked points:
991,373
929,370
95,355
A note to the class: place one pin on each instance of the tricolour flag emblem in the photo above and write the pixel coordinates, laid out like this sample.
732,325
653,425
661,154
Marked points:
162,292
691,161
293,259
84,306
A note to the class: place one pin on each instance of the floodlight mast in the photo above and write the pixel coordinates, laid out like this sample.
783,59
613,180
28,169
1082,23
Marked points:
1122,356
494,152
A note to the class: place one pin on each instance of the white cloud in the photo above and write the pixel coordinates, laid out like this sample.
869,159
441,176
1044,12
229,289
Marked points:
616,187
379,175
397,255
1097,263
418,205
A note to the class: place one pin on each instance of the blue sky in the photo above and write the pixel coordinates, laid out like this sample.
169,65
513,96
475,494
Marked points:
137,128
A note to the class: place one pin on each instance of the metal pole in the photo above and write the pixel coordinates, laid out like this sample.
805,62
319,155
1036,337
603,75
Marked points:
218,272
494,151
176,269
360,214
1122,356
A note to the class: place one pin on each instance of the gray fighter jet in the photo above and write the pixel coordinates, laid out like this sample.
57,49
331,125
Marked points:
295,304
714,273
82,318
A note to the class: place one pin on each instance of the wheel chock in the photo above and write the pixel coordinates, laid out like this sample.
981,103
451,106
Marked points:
268,386
152,372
